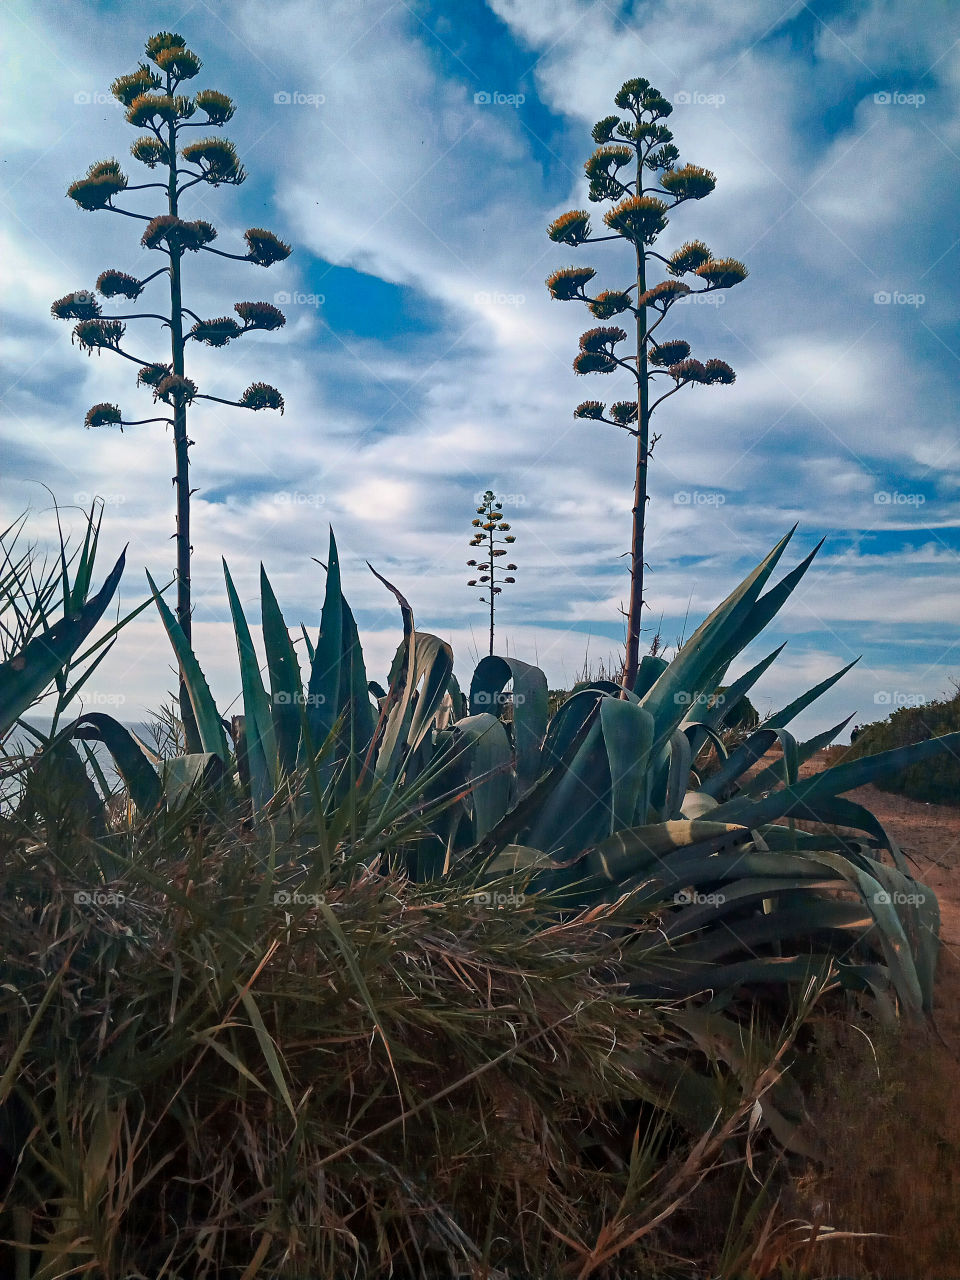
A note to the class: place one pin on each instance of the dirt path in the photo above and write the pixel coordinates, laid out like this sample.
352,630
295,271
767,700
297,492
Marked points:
929,835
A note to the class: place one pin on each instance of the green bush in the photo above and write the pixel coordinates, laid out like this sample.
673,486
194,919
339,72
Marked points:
936,780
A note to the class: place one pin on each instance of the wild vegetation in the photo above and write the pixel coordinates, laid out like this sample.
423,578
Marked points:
408,979
939,781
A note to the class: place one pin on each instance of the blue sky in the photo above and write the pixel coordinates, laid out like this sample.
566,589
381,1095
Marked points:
423,360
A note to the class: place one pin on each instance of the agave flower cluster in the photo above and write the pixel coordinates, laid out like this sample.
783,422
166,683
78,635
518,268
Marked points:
488,524
635,170
153,101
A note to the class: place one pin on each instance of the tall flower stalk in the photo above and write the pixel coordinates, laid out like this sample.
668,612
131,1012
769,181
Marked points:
489,524
154,103
635,171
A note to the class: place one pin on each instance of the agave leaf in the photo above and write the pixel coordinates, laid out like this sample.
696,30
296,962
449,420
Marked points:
286,687
354,692
261,741
323,688
793,709
209,725
186,777
628,736
530,709
650,669
25,676
484,757
132,761
773,775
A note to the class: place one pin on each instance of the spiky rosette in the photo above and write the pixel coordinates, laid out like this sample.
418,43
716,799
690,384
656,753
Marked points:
151,375
689,183
689,370
176,234
661,295
570,228
126,88
688,257
722,273
668,353
591,409
624,411
96,189
260,315
218,107
217,160
103,415
569,282
182,63
150,151
92,335
163,40
215,333
639,219
260,395
718,371
81,305
609,303
174,389
150,110
117,284
593,362
264,248
601,338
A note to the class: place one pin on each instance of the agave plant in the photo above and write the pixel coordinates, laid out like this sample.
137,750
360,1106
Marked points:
632,800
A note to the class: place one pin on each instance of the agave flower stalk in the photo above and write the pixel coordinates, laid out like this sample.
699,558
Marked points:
154,102
488,524
639,144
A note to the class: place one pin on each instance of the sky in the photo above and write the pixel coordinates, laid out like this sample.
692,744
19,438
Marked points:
413,153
